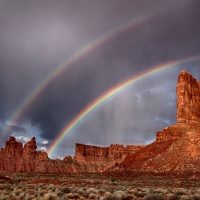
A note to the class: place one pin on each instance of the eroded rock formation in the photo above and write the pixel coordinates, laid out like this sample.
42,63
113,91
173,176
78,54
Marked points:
176,148
188,99
15,149
16,158
67,158
104,156
12,148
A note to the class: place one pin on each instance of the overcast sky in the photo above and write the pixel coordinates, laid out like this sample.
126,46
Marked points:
37,37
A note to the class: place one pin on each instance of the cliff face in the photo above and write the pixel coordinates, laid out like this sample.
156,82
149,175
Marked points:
15,158
188,99
15,149
176,148
104,156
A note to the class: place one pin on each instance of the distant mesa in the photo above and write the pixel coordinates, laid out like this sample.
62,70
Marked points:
104,156
15,158
176,148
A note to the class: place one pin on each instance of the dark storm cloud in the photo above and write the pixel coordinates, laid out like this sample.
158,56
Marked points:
16,128
38,36
133,117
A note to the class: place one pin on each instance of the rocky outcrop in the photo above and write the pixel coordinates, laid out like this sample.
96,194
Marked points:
16,158
15,149
188,99
176,148
12,148
67,158
104,156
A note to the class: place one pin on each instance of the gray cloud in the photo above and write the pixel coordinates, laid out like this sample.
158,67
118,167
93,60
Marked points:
36,37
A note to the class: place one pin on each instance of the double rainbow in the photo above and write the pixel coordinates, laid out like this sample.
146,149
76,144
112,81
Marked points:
29,100
110,93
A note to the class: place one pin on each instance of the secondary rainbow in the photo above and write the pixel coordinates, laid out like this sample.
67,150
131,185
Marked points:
28,101
110,93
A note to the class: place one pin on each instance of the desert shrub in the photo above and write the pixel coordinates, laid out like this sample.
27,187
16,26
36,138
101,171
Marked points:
29,198
109,197
186,198
196,197
180,193
159,191
75,190
60,194
92,196
17,193
101,191
22,197
169,190
155,197
174,197
63,198
66,190
139,194
151,190
41,194
31,192
92,190
70,195
6,192
81,192
119,195
85,194
49,197
11,188
113,179
76,196
3,198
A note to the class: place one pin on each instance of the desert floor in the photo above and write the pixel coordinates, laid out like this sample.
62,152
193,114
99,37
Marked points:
115,185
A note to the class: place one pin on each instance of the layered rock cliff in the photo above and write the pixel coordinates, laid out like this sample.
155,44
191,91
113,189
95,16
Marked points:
16,158
188,99
176,148
104,156
15,149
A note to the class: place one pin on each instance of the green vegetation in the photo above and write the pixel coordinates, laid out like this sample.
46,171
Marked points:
102,186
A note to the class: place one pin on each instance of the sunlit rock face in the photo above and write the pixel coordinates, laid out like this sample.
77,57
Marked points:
12,148
104,156
16,158
15,149
188,99
176,148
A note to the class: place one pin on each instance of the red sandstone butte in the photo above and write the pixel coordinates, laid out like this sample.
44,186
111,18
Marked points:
176,148
188,99
16,158
103,156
